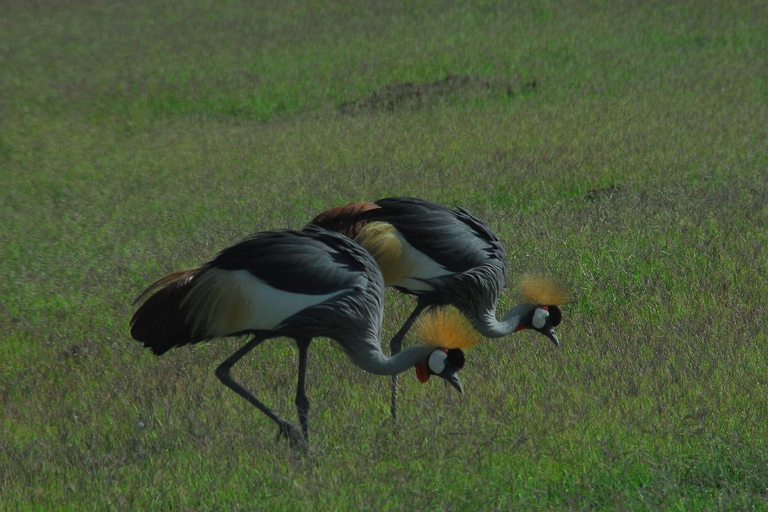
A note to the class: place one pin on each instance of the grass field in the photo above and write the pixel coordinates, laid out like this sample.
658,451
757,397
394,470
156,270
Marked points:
621,146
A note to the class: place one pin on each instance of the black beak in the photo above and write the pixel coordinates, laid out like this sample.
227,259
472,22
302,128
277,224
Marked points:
453,378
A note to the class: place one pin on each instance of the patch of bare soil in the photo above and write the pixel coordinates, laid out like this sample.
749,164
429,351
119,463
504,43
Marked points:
414,96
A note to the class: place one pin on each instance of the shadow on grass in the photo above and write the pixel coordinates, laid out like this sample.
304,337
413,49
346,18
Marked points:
414,96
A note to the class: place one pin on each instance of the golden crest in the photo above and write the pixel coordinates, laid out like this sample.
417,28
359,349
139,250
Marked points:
543,290
445,327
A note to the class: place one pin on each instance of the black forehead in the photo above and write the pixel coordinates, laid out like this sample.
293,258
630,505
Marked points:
456,358
555,315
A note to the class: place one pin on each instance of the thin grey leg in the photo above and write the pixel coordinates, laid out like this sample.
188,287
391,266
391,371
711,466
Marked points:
222,372
397,343
302,402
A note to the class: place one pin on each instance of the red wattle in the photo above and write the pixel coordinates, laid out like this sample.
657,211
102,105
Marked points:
421,372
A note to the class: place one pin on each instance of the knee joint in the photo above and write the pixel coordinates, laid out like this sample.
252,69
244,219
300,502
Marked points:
222,372
302,402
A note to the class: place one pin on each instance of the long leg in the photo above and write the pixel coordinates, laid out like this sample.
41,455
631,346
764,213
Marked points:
397,343
302,402
222,372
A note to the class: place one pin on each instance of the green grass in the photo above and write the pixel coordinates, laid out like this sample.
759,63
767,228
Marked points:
621,147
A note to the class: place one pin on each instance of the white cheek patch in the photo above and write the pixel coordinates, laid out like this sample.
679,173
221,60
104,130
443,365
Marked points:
540,318
437,361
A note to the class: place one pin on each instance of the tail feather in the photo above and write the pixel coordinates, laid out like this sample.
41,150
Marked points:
344,219
161,322
176,277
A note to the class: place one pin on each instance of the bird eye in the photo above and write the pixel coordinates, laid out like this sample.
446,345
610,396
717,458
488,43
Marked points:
540,318
437,361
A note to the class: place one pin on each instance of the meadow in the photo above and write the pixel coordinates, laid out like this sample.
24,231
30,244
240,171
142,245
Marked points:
620,146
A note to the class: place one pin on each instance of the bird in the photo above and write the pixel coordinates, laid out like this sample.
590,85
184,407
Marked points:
446,256
300,285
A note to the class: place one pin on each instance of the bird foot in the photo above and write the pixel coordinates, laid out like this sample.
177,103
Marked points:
390,425
292,434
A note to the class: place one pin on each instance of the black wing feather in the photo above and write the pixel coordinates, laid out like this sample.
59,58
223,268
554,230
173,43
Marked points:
453,238
312,262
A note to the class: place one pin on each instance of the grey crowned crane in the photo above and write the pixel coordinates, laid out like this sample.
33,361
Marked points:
300,285
445,256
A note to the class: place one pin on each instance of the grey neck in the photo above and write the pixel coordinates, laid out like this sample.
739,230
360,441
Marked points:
375,361
490,327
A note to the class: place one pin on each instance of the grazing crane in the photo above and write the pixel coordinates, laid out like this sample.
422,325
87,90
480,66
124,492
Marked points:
445,256
298,285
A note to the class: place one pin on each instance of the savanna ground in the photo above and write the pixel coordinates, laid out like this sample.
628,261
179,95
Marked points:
620,146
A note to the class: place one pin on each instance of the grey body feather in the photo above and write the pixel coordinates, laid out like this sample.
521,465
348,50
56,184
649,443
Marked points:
462,244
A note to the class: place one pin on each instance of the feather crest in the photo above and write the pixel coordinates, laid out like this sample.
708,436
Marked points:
445,327
543,290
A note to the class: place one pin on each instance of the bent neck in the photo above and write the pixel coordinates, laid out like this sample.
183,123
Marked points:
376,362
490,327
